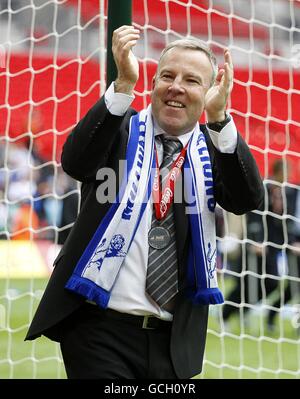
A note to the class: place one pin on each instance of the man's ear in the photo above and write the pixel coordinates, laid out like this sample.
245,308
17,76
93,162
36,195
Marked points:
153,81
153,85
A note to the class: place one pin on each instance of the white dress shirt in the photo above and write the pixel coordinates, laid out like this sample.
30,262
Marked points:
128,294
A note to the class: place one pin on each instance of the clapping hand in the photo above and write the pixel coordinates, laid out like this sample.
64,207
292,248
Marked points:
216,96
123,40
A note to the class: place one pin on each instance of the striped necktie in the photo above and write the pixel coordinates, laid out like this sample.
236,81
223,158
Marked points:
162,273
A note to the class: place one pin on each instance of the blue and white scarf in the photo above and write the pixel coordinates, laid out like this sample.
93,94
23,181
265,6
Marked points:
98,267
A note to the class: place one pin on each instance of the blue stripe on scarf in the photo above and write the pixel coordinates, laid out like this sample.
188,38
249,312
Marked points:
198,290
198,264
82,285
199,245
148,192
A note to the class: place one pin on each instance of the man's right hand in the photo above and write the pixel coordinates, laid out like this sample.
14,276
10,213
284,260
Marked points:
123,40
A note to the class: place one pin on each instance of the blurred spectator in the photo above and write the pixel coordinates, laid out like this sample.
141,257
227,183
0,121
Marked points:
276,229
24,222
293,255
26,177
20,173
25,180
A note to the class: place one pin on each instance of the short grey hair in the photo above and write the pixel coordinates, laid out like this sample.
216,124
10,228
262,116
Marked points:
193,44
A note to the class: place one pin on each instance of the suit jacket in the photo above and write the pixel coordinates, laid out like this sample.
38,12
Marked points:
100,140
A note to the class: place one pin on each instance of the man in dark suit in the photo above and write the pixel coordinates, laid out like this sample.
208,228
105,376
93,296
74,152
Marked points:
135,336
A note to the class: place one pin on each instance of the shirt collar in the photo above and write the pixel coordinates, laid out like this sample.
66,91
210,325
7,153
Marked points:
183,138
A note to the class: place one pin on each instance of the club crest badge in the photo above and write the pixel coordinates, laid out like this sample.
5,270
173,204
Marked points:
113,250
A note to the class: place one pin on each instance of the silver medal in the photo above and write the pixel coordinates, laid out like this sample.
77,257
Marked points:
159,237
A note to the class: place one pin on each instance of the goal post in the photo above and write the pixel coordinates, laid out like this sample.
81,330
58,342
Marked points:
118,14
53,60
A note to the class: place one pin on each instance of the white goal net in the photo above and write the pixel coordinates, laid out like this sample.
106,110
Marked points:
52,69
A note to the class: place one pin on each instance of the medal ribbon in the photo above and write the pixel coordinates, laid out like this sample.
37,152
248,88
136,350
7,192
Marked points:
163,198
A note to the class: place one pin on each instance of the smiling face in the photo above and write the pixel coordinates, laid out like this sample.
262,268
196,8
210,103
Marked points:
179,87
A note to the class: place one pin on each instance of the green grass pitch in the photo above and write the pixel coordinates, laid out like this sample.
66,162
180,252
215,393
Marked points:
237,353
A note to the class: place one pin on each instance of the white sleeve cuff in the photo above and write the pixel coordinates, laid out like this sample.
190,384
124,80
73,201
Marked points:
117,103
226,140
